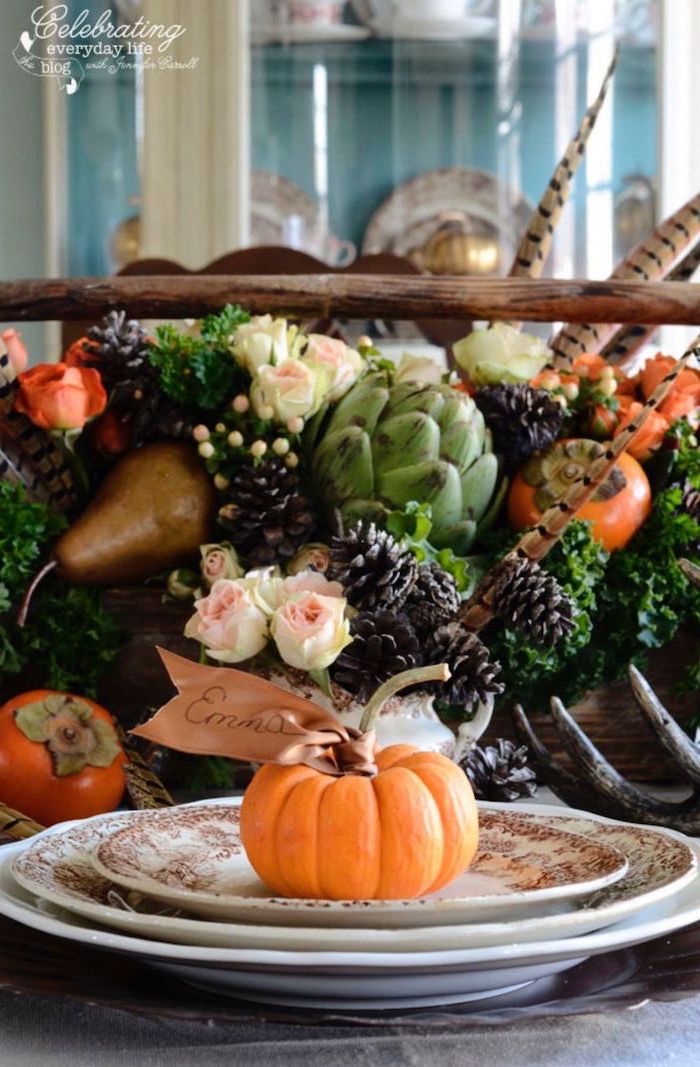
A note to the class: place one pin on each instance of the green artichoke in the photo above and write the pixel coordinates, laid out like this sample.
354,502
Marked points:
384,446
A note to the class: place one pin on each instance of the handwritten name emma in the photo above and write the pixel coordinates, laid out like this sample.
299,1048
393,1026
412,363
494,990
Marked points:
271,722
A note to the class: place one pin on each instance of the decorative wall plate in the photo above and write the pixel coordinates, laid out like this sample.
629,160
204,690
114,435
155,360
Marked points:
416,209
272,200
660,864
193,858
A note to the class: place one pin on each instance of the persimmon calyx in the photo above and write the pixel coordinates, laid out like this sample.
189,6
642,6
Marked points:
74,737
553,472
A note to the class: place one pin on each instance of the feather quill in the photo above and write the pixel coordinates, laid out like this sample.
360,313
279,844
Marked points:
534,247
629,339
649,261
535,544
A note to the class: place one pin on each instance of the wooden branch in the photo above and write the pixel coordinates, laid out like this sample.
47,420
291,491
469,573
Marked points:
354,296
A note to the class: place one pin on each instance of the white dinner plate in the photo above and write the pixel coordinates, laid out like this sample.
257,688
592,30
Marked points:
192,857
439,974
660,864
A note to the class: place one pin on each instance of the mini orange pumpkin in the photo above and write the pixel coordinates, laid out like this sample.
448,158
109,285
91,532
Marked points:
407,831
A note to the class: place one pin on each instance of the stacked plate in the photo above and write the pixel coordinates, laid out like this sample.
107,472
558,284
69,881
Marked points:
549,888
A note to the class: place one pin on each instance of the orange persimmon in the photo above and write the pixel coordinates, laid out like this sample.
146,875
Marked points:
617,510
59,757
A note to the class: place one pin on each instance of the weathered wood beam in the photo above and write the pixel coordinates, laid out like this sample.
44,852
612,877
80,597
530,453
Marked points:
354,296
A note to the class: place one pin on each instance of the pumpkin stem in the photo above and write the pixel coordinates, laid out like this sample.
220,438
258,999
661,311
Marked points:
438,672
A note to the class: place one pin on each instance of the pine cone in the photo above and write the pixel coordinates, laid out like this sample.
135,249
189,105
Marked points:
267,516
474,678
434,599
384,644
527,598
522,420
373,569
691,501
500,771
119,351
118,348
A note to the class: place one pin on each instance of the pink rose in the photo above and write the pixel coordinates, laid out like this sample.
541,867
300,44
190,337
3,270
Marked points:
14,346
343,363
292,390
219,561
231,626
311,630
311,582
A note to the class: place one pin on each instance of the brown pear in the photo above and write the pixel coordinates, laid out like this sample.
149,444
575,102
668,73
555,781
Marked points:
151,513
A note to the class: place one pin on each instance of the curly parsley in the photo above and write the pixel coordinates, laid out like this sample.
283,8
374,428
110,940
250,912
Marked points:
199,373
70,639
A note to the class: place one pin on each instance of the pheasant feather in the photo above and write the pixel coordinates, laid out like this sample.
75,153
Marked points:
8,385
629,339
649,261
45,456
535,544
17,826
534,248
143,785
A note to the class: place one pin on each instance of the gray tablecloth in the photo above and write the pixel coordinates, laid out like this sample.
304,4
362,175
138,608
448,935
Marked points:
44,1031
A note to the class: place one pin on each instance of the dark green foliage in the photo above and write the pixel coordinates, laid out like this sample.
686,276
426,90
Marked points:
633,601
69,638
199,373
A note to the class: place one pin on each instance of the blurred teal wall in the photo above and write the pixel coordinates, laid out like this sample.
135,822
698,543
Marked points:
21,165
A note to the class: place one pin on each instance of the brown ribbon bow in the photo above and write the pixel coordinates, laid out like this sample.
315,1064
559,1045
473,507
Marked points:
219,711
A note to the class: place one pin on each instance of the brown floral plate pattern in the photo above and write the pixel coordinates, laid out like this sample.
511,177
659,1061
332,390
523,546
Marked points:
61,872
192,857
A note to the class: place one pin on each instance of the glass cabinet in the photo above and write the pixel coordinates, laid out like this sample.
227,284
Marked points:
428,128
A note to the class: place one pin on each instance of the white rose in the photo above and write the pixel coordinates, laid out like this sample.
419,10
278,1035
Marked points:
501,353
421,369
310,581
292,389
266,586
311,630
343,363
264,340
229,623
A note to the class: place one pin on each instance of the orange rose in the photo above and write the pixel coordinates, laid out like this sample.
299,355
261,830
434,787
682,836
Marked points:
58,397
627,386
589,365
546,379
76,354
652,434
602,420
656,369
677,404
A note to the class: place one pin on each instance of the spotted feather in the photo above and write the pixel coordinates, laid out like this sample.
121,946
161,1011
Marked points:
45,456
535,544
629,339
8,384
534,248
649,261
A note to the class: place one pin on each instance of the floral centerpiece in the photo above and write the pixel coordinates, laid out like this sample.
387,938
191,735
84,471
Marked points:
353,507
